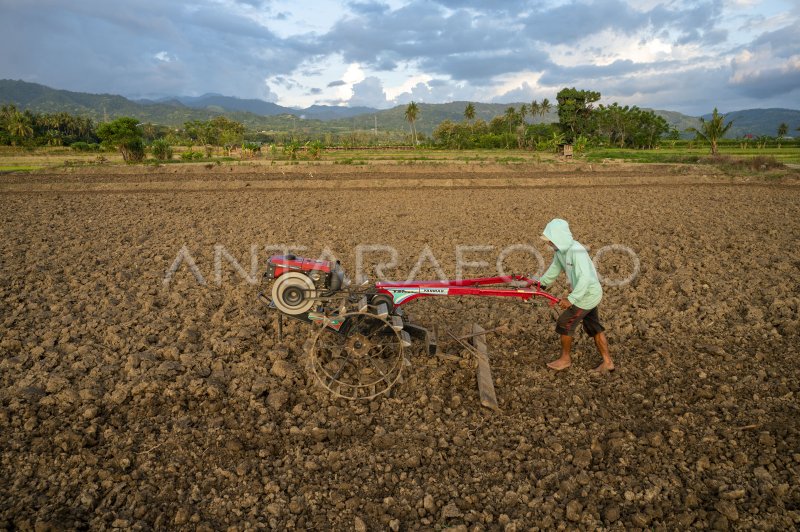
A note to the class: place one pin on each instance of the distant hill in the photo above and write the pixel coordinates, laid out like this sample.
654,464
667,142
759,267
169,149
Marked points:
169,112
332,112
679,121
222,103
260,115
759,122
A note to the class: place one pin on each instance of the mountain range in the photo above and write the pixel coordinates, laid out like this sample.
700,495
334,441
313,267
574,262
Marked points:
260,115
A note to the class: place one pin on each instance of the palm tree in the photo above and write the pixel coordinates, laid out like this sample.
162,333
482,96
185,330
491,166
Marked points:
511,118
411,114
7,111
469,112
713,130
523,112
544,107
534,109
783,129
19,125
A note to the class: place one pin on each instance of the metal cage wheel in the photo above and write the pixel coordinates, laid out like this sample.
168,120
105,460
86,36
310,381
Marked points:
363,361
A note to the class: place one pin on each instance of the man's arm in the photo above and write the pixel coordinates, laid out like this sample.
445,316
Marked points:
552,272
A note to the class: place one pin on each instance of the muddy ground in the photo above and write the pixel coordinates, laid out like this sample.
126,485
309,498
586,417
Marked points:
128,403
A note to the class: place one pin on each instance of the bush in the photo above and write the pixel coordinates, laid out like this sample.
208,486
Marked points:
315,149
125,135
191,155
161,150
132,151
85,146
754,164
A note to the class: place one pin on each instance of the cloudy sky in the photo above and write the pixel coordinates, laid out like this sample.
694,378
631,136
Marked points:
681,55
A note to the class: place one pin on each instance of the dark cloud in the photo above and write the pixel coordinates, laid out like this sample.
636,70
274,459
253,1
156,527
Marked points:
481,68
770,66
477,42
513,7
575,20
368,8
438,83
114,47
785,42
557,75
285,82
420,31
260,4
465,48
769,82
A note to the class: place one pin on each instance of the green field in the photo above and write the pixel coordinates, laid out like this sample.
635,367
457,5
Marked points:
734,158
789,154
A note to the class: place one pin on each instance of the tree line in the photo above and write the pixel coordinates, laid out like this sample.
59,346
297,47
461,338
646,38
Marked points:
18,128
581,123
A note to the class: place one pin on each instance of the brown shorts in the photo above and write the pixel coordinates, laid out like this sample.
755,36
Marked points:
569,319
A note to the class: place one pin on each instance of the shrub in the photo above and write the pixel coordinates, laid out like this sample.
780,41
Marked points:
753,164
132,151
315,149
161,149
85,146
123,134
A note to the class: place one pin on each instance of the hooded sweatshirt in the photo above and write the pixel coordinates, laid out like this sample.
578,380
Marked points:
573,259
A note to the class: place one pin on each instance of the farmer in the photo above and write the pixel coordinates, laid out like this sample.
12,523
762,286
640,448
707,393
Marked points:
580,306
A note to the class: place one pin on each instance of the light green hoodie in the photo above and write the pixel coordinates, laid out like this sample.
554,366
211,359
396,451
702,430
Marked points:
572,258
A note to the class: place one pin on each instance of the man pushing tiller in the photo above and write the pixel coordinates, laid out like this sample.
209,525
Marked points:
580,306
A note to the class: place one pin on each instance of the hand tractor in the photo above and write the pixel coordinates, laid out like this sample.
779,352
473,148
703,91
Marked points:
359,350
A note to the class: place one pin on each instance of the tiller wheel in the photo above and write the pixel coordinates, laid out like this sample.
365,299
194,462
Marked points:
363,360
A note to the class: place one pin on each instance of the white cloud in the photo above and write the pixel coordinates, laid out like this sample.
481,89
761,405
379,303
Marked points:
393,92
368,93
164,56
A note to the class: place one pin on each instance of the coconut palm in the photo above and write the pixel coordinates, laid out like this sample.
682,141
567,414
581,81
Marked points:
411,114
713,130
544,107
783,129
511,118
6,112
469,112
19,125
534,108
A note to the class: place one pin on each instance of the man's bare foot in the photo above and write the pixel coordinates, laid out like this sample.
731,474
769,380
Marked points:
559,364
604,368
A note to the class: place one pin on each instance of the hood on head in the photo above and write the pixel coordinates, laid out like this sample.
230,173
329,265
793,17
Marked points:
557,232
